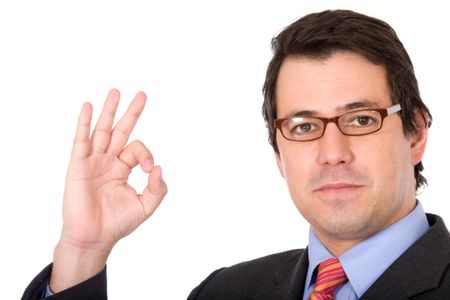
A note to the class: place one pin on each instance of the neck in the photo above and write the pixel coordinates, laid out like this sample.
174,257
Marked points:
337,245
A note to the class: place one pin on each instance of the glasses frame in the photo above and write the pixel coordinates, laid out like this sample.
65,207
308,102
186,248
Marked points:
384,112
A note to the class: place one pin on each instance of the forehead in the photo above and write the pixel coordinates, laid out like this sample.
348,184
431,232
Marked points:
326,86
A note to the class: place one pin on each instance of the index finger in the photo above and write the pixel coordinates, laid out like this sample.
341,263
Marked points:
124,127
81,141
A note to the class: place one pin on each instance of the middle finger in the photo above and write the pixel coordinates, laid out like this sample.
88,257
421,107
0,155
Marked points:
102,133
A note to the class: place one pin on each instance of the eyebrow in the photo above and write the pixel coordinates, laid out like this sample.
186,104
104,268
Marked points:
360,104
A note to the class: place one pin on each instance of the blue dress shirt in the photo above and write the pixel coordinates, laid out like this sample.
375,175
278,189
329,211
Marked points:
367,261
47,292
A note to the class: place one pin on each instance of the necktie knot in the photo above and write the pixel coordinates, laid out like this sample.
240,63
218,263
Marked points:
330,276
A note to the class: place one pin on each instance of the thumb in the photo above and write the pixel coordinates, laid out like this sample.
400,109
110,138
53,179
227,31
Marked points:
154,192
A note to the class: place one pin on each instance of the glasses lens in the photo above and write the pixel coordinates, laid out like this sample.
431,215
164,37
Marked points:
302,129
360,122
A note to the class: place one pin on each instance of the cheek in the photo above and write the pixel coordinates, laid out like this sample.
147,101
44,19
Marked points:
298,167
296,164
388,161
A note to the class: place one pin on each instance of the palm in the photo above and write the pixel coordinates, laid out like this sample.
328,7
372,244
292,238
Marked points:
100,203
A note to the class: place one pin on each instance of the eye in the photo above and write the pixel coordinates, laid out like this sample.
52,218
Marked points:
363,120
303,128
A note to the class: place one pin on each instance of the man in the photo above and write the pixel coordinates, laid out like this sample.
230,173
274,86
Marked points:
349,130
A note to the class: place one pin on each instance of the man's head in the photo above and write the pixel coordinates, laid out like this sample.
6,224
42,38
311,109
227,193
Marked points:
319,35
326,65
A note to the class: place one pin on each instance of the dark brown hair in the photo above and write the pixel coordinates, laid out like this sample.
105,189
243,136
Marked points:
319,35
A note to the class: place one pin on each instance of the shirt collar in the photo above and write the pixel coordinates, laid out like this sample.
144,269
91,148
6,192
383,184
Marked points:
376,253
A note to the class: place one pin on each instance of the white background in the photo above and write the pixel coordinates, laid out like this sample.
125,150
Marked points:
202,64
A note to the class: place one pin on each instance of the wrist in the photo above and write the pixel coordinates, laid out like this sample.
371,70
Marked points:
73,264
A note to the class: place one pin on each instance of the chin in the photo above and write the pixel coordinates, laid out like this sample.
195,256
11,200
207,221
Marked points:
351,224
340,198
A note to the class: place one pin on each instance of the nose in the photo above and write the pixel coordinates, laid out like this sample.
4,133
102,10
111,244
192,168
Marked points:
334,147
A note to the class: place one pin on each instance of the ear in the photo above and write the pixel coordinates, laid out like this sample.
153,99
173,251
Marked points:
279,164
418,140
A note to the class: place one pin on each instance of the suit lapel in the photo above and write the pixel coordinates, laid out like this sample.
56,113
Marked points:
290,278
419,269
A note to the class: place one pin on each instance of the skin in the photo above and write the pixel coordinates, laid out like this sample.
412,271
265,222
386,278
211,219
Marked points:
347,187
99,207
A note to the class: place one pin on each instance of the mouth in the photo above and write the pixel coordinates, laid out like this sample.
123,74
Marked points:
338,187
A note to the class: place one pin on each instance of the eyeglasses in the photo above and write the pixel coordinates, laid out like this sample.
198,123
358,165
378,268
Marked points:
358,122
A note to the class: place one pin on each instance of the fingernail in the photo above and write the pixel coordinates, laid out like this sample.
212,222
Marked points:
160,181
160,184
157,189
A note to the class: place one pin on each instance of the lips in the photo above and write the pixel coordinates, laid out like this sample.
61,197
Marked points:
337,187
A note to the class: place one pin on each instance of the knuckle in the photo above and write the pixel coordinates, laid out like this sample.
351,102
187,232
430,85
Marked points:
164,189
103,130
122,131
140,147
137,143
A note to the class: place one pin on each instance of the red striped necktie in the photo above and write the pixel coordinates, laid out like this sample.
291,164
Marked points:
330,276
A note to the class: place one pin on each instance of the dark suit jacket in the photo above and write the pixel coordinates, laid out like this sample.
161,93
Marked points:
422,272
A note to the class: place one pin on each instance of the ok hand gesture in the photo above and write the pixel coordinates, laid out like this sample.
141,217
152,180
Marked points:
99,206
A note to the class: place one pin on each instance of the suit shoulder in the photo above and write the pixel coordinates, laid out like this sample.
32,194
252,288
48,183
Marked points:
235,282
268,262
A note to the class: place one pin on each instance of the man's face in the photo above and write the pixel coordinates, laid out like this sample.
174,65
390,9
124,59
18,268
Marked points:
346,187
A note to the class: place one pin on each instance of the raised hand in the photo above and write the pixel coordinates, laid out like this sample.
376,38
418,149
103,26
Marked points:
99,206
